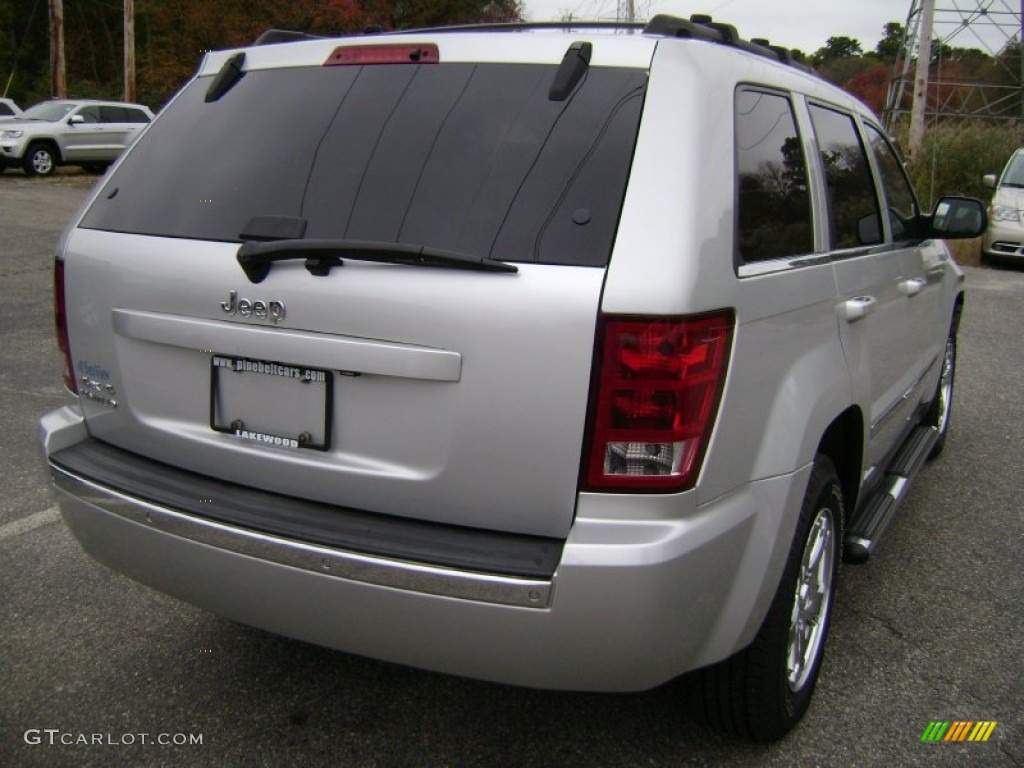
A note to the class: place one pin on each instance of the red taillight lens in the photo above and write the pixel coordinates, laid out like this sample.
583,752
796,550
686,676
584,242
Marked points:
655,400
390,53
60,316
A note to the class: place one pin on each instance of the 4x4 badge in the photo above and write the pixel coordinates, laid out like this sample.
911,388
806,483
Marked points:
258,308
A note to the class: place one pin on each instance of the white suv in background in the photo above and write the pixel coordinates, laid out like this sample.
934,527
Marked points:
8,109
569,357
70,132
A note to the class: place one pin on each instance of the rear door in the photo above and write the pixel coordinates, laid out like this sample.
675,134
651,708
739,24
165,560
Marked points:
881,284
455,395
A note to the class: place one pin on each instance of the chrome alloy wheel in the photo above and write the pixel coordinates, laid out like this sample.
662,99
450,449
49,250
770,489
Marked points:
812,600
42,161
946,386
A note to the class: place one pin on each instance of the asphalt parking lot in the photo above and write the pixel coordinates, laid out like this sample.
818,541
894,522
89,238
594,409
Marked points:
931,629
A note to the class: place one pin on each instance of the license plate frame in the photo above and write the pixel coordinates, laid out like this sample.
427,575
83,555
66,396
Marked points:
301,375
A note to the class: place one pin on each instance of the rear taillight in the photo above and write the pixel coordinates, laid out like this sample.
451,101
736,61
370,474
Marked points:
654,400
60,315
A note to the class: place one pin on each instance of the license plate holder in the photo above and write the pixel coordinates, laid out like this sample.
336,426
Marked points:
270,403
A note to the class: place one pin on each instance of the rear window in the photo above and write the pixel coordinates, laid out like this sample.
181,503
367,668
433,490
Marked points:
472,158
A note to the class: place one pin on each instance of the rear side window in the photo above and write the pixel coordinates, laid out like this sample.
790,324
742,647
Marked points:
473,158
853,207
5,110
774,207
123,115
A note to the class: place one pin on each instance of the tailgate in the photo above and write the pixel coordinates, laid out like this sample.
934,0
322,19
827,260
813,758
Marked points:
443,395
450,395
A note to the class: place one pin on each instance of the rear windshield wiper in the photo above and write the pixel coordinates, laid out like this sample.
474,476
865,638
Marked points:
256,258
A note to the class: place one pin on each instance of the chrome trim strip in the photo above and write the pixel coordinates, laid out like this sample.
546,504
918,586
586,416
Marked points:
396,574
316,350
891,410
773,266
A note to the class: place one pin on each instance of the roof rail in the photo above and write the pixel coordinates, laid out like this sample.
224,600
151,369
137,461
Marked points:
524,26
701,27
273,36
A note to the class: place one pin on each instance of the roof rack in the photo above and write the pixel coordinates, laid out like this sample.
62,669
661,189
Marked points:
701,27
525,26
273,36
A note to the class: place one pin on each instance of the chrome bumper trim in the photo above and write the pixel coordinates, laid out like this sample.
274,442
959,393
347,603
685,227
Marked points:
411,577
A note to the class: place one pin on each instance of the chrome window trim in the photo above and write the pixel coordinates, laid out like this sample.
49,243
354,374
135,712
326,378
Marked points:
773,266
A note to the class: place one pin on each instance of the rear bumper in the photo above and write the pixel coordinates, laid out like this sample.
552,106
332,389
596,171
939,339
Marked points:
632,603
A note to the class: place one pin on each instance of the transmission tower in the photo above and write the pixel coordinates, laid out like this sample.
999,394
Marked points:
992,26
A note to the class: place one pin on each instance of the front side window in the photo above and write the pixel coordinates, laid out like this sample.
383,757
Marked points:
89,114
853,206
774,207
901,205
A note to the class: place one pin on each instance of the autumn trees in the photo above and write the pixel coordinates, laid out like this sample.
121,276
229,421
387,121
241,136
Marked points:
171,36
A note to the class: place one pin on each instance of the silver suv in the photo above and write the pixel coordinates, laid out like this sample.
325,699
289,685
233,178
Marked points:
70,132
559,357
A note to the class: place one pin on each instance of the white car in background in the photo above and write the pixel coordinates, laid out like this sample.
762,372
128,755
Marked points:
1004,238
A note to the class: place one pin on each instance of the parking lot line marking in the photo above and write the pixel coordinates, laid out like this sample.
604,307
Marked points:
26,524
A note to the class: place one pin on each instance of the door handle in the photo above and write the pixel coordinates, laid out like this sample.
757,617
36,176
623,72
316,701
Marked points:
857,307
913,286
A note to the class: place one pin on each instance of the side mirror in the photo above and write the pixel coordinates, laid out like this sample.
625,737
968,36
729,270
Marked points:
75,120
989,180
957,218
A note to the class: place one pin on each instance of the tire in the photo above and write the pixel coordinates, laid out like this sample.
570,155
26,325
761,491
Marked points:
40,160
941,409
762,692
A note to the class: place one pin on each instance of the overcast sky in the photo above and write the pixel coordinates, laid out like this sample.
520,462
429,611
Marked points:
802,24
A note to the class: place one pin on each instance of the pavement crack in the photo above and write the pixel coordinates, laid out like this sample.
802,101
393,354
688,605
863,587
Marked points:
27,393
1010,756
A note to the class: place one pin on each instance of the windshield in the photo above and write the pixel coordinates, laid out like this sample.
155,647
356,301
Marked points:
1013,176
471,158
48,111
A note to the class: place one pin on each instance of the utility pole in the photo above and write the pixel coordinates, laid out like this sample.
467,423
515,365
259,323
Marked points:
924,61
129,50
58,80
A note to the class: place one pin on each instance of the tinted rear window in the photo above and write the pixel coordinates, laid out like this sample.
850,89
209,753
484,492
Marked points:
470,158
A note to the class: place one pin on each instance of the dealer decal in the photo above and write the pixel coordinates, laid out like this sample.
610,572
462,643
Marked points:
266,439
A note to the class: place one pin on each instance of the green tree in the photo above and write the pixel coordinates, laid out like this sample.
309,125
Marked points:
889,47
836,48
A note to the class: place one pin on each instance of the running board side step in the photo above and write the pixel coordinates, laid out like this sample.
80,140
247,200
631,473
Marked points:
874,517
